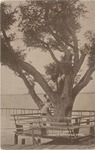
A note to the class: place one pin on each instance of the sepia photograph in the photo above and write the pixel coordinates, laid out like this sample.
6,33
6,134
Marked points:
47,74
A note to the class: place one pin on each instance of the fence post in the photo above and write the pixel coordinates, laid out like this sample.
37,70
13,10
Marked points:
6,111
81,113
23,141
31,111
88,121
39,141
15,139
16,110
33,138
76,131
92,130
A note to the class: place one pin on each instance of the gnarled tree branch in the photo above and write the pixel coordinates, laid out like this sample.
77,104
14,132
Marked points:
38,78
30,69
83,82
59,40
50,51
47,47
75,47
32,92
79,64
76,51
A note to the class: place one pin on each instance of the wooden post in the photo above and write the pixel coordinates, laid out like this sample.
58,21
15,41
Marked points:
13,111
15,139
92,130
19,128
9,111
16,111
81,113
76,131
6,111
90,118
33,138
23,141
88,121
94,118
39,141
43,129
76,121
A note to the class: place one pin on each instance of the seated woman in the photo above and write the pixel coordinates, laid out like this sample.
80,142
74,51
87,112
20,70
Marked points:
46,108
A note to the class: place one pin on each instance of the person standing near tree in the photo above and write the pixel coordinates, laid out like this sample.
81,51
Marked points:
46,108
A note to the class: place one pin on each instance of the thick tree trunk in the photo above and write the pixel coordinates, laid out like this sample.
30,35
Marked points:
63,109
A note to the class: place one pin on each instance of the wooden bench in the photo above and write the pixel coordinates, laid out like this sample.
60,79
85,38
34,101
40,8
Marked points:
34,125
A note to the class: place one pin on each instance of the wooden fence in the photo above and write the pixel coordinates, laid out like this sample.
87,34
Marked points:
73,128
26,118
11,111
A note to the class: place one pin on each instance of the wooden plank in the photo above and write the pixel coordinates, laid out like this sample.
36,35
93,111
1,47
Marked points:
56,136
48,126
67,118
29,118
82,122
27,123
79,117
15,139
83,111
62,128
59,123
26,114
53,136
69,127
38,117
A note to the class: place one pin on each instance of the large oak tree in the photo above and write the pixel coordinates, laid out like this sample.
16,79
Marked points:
51,26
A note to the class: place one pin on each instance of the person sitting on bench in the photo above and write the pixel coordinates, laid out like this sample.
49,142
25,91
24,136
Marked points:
46,108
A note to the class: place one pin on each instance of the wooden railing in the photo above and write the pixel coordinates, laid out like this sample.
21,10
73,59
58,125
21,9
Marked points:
83,112
25,119
37,125
11,111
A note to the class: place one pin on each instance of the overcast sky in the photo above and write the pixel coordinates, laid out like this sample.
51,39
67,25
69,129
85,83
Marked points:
11,84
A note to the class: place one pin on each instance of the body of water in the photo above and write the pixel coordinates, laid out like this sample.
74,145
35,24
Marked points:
84,101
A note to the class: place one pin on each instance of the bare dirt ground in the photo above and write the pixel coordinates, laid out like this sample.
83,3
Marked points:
86,144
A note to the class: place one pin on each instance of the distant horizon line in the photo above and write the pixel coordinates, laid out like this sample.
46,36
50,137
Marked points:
41,93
